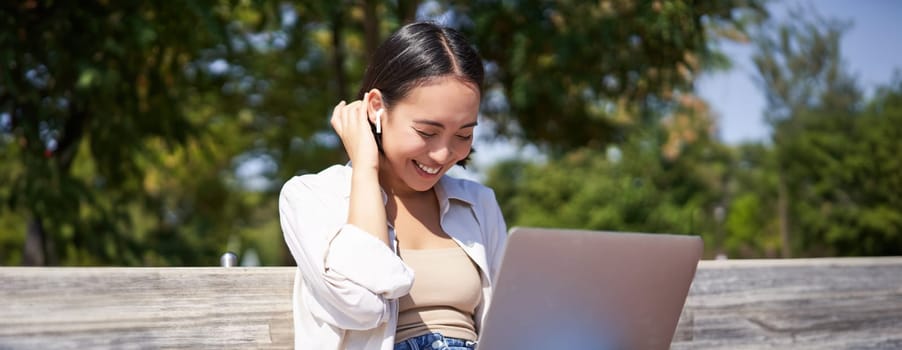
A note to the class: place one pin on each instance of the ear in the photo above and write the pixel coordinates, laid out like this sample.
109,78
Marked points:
374,103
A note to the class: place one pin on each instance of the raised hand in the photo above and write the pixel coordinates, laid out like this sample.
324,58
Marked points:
351,123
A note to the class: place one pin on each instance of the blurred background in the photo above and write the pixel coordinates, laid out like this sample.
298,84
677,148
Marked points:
159,133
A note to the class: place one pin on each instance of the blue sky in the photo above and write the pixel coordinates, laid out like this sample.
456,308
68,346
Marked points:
871,48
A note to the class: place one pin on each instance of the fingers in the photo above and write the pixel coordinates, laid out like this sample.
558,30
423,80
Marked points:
348,118
351,123
354,114
335,121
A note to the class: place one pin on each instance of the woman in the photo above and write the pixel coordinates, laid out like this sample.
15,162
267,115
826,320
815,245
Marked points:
391,253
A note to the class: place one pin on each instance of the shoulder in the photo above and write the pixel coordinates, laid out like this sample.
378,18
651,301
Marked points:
332,181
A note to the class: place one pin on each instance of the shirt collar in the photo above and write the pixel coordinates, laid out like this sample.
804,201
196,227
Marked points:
451,188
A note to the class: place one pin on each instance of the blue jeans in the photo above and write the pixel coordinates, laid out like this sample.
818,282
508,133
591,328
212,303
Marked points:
435,341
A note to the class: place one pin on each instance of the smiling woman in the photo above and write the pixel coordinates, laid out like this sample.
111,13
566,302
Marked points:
359,231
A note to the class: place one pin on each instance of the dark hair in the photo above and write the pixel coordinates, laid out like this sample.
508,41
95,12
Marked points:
416,54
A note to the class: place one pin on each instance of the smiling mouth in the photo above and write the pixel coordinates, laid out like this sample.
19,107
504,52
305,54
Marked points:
426,169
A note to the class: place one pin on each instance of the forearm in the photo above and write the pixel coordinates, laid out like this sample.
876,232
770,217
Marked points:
367,210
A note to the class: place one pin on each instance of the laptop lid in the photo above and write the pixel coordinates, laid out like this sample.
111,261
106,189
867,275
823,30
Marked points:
571,289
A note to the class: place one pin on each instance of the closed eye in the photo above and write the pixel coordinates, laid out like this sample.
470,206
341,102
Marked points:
423,133
465,137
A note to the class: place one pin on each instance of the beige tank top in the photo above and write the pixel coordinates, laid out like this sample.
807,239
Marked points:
445,293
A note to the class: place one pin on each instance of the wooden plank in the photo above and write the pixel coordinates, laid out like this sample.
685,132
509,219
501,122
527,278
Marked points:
172,308
745,304
853,303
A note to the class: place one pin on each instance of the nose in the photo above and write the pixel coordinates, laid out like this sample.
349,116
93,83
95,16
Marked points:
443,154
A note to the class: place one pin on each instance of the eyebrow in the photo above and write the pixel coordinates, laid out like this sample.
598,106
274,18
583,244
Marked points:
440,125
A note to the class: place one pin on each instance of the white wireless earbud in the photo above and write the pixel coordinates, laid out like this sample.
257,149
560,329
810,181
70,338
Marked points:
379,120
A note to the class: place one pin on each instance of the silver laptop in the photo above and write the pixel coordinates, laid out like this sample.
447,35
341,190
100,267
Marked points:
569,289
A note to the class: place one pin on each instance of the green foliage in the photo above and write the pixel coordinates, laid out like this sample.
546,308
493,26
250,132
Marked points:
628,188
127,127
845,167
569,69
751,228
94,81
835,164
158,133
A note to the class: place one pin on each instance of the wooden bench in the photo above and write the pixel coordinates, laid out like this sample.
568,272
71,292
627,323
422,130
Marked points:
743,304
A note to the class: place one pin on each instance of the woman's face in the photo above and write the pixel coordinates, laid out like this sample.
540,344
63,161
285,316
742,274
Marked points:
428,132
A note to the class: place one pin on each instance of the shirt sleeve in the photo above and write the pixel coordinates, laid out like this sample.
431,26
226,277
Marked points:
358,256
349,275
497,233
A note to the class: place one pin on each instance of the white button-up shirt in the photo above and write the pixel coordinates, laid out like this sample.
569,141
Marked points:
347,284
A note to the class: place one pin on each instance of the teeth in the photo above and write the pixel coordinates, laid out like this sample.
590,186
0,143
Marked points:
431,171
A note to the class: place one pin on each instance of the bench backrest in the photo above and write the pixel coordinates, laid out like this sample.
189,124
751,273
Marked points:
800,303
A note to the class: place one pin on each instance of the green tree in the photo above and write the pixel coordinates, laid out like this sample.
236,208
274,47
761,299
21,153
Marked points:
100,78
576,74
801,71
845,173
